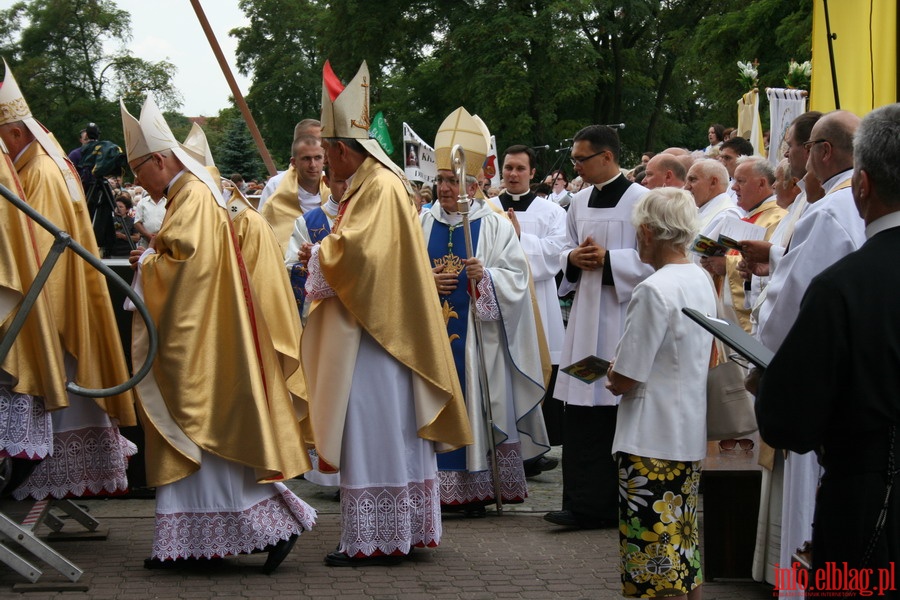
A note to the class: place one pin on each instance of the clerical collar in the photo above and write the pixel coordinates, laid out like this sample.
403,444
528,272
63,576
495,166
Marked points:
835,179
172,182
888,221
516,201
600,186
451,218
517,197
608,193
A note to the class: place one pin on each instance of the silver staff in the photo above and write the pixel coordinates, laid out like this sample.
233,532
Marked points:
458,160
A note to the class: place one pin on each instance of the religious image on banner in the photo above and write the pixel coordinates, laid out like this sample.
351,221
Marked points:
490,164
785,105
418,157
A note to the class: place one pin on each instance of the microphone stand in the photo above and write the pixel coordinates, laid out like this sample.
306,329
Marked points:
458,160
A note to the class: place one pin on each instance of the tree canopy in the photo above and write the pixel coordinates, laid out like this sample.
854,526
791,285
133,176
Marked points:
535,70
56,51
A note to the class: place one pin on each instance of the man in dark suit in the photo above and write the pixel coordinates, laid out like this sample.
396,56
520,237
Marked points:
834,385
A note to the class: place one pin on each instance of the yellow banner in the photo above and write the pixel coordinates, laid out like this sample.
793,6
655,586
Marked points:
865,55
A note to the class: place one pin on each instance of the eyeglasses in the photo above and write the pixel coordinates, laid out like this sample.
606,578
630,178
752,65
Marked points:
744,444
135,168
808,145
580,161
448,180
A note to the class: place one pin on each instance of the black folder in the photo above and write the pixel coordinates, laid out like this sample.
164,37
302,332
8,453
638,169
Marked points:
733,336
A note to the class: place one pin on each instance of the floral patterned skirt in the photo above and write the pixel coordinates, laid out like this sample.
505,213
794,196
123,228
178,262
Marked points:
658,533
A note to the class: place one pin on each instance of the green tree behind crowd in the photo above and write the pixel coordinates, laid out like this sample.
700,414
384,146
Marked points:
56,50
535,70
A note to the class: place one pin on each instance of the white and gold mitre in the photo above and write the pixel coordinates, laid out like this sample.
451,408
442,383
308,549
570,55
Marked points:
461,128
197,146
345,113
152,134
14,108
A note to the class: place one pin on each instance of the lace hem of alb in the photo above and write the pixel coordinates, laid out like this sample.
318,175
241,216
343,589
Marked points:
218,534
85,462
465,487
486,304
26,429
316,286
390,520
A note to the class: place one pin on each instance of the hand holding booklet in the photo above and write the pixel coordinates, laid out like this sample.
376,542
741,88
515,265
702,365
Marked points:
731,233
589,369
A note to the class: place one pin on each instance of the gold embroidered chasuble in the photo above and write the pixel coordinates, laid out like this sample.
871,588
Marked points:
269,279
77,293
767,215
376,261
283,207
35,360
216,385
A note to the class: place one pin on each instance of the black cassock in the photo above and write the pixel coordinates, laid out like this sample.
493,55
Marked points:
834,388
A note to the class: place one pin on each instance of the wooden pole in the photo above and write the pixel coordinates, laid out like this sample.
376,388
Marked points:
235,91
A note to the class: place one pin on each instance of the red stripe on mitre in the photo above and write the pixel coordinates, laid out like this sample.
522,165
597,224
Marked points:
331,81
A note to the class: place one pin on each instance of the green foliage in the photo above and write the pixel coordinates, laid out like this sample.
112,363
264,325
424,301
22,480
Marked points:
236,152
56,50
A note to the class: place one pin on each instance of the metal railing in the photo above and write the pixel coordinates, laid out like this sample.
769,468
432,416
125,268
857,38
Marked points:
63,241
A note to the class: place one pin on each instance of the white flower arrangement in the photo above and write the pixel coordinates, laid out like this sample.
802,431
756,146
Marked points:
749,75
798,75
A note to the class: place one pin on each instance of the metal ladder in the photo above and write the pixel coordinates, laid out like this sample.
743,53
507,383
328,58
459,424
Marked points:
13,535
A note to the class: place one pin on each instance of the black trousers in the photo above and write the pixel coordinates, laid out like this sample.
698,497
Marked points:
590,474
554,411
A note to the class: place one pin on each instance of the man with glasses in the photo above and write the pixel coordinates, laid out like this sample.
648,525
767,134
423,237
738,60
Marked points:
497,280
829,229
832,389
601,263
208,478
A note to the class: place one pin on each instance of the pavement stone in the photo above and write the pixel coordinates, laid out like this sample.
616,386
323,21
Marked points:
516,555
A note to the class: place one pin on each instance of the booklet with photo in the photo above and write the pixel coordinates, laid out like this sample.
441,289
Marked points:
588,369
705,246
734,231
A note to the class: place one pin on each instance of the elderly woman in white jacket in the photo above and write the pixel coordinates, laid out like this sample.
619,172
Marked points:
660,370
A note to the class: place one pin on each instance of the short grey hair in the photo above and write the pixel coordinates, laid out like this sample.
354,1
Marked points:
876,150
710,167
761,167
670,213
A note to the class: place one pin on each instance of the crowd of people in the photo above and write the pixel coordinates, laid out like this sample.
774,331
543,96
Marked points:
302,356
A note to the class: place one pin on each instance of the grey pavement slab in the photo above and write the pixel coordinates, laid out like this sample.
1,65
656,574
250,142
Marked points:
517,555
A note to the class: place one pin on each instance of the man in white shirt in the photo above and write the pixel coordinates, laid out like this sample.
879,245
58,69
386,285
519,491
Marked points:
601,263
298,194
148,218
707,182
311,127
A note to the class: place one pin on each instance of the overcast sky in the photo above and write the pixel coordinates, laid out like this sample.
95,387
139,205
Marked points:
169,30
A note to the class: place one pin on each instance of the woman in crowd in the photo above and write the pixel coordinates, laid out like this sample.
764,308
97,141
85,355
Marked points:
660,369
124,223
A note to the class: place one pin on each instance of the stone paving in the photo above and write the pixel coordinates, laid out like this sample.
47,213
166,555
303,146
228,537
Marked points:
516,555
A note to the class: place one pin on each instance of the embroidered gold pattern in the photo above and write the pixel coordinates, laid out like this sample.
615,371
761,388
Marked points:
450,262
449,313
363,122
14,110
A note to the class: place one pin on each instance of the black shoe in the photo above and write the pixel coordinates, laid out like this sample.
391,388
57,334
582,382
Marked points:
278,553
566,518
341,559
537,466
